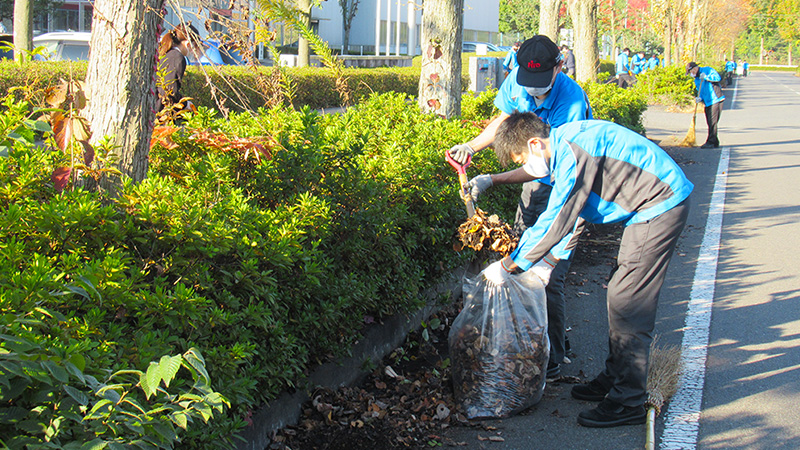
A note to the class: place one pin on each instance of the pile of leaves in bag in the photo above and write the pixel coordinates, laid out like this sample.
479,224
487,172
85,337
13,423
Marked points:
404,403
423,387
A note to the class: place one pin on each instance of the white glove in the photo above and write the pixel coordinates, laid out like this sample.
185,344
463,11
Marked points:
542,269
461,153
495,273
698,100
702,76
479,185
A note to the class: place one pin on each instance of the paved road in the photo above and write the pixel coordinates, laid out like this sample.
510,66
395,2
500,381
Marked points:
734,277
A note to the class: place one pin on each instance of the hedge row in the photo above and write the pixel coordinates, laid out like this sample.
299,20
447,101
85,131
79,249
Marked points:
266,265
242,87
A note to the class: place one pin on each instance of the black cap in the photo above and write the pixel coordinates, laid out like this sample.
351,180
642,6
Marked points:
690,66
536,57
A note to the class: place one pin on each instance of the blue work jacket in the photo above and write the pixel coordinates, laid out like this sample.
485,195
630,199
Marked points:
510,63
637,64
708,87
623,65
567,101
604,173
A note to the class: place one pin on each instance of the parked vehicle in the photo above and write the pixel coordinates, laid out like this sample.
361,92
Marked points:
471,47
215,53
63,46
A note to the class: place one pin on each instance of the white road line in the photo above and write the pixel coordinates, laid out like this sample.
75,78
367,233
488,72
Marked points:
682,422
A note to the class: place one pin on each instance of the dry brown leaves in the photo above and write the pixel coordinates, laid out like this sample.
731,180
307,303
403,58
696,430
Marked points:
487,232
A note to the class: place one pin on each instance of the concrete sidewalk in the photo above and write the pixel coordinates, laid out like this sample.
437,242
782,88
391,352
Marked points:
668,128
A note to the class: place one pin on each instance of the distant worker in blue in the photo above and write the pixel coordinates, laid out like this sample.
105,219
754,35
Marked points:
538,86
624,78
730,68
510,63
653,62
745,67
707,80
583,161
637,63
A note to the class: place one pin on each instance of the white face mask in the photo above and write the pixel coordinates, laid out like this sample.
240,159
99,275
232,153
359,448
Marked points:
536,91
536,165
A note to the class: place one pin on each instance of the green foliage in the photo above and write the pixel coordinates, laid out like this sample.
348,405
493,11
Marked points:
237,86
621,106
519,17
666,86
50,396
265,266
606,66
480,106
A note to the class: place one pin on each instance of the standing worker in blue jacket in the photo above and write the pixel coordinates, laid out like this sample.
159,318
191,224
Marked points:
510,63
537,85
730,68
653,62
637,63
706,79
601,172
624,78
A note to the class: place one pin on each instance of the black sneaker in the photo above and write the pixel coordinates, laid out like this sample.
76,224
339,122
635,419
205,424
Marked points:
593,391
709,145
612,414
553,369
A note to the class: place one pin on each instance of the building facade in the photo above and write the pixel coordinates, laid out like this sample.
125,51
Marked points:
385,27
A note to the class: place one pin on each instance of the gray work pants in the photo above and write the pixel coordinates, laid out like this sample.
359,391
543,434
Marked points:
533,202
632,299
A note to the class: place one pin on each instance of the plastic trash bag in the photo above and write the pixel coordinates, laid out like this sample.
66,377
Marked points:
499,346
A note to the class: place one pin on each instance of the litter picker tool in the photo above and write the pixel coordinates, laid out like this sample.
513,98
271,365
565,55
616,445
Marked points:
662,383
462,180
690,139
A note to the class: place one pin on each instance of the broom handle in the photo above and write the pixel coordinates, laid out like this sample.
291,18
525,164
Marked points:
650,441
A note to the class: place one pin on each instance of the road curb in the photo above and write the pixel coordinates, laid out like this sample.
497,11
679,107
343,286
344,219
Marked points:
377,342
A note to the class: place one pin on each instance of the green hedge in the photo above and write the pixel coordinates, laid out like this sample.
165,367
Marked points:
314,87
666,86
266,266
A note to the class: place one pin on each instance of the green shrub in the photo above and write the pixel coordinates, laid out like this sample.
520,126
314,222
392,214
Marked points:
238,87
612,103
266,266
607,67
476,107
666,86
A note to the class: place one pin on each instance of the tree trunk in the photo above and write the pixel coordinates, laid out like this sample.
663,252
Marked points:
23,29
584,19
440,77
120,78
303,50
548,19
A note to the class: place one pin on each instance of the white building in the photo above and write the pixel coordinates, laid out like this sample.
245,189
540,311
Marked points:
377,22
398,23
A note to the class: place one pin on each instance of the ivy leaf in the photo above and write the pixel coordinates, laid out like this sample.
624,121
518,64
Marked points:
60,178
56,95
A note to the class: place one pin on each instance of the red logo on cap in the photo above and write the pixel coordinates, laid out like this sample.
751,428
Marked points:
533,65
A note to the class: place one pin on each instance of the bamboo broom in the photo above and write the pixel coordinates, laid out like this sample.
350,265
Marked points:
662,383
690,139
